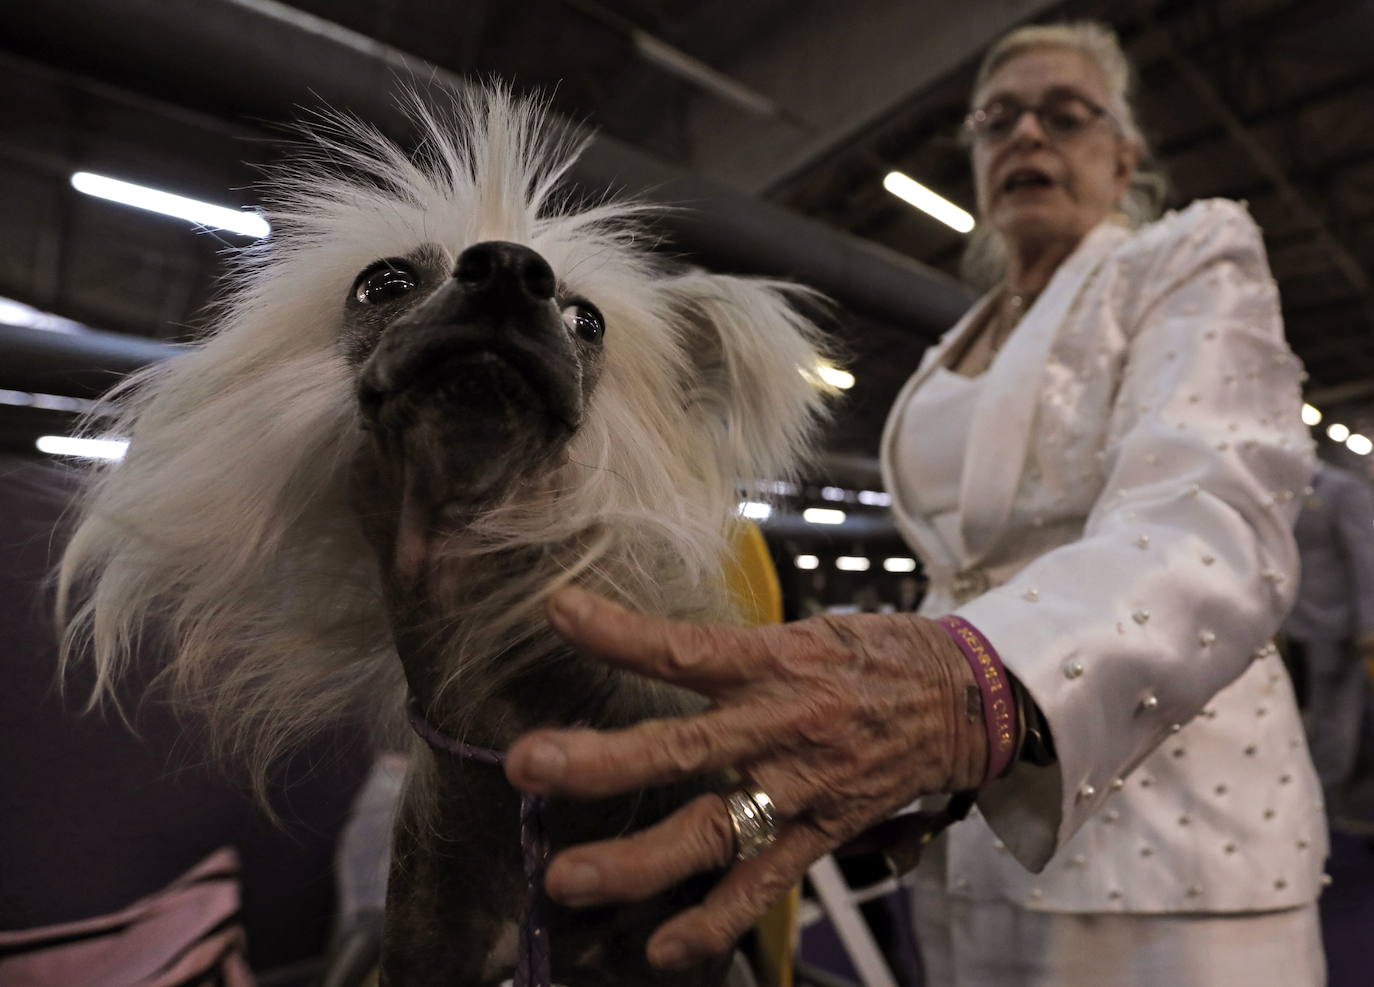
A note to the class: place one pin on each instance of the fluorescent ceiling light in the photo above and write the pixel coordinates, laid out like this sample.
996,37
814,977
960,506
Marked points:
1359,444
823,515
780,488
833,493
1310,415
875,498
807,562
1337,432
899,565
835,377
155,200
66,445
911,191
852,563
47,402
825,374
755,510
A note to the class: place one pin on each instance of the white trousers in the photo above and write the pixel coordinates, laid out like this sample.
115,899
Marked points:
996,944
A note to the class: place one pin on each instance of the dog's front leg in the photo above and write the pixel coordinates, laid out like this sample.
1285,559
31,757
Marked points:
455,889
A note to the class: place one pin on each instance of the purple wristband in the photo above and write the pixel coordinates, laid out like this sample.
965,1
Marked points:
999,708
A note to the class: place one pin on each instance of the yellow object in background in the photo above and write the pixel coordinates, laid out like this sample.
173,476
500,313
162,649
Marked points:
752,579
754,584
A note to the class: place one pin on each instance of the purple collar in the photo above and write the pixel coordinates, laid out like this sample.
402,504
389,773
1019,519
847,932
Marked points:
532,952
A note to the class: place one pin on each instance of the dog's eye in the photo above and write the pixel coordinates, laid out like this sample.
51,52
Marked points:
385,281
586,320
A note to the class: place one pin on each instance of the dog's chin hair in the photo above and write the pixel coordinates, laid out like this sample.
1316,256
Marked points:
227,531
500,637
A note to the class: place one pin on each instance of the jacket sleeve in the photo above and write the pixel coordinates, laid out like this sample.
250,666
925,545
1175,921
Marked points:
1187,562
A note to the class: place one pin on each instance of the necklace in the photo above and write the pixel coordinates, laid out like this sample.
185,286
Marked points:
1009,314
1003,315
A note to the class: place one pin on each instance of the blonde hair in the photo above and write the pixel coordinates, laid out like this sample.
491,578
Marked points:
984,260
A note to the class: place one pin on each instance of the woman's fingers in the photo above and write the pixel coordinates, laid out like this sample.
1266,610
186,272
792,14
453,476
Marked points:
696,838
598,763
834,725
746,892
706,658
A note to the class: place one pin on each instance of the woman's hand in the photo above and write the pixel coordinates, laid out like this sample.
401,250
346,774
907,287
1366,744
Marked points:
841,720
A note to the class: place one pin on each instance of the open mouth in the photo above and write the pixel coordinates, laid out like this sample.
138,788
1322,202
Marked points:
479,379
1026,178
502,382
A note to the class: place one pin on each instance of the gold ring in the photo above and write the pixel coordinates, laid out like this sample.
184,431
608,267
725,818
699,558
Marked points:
753,819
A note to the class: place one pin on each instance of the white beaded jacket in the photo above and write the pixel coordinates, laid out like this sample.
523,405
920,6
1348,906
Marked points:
1134,464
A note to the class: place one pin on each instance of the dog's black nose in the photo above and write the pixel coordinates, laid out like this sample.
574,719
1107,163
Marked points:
497,266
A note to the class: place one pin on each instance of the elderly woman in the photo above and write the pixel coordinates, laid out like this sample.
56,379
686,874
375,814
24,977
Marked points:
1099,467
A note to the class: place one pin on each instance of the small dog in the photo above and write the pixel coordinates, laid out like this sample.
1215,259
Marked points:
436,393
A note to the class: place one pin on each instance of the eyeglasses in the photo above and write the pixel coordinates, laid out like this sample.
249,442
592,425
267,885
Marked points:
1062,116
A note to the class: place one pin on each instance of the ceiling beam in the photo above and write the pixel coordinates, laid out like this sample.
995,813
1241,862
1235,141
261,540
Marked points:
79,364
1272,170
1343,346
1150,49
283,57
1355,224
838,70
1316,174
1339,394
1337,93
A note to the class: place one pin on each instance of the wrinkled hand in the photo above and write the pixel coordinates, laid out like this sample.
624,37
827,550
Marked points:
842,720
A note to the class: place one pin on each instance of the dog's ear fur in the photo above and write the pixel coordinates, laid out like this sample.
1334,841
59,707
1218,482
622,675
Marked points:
755,354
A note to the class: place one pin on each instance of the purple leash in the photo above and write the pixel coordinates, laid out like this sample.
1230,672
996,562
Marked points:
532,952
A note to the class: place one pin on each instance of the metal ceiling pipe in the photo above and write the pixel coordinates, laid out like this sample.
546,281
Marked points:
72,364
263,59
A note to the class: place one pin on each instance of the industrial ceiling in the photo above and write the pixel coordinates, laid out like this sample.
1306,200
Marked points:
775,120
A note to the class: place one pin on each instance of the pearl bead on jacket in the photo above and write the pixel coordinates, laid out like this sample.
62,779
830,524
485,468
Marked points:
1128,492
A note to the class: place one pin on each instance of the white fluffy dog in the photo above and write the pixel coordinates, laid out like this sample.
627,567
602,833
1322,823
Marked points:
434,394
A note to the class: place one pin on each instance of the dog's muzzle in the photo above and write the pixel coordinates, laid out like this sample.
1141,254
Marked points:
490,339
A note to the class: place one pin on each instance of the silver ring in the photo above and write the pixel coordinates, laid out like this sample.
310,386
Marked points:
753,819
